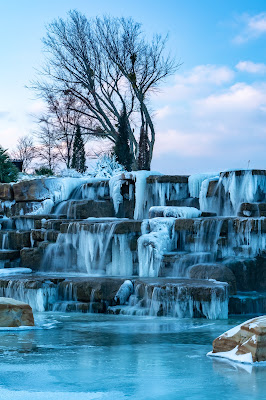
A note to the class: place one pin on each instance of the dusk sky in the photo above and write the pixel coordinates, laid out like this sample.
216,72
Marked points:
211,116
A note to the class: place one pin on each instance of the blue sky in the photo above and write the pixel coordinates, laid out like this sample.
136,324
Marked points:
211,115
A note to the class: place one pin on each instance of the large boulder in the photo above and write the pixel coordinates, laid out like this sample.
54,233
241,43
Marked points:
214,271
14,313
244,343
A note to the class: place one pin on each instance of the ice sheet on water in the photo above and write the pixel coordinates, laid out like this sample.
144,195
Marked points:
46,395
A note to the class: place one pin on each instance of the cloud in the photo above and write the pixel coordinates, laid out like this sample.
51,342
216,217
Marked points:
4,114
240,96
164,112
211,126
252,28
251,67
36,107
197,80
206,74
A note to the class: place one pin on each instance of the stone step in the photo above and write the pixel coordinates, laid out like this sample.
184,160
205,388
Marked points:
55,223
28,222
40,235
251,303
9,255
121,226
237,224
178,263
14,240
252,210
73,306
187,202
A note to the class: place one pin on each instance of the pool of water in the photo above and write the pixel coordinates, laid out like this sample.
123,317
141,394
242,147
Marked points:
87,357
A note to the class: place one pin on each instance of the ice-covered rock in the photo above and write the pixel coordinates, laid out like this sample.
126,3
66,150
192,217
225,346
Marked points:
125,290
243,343
14,313
55,189
195,181
176,212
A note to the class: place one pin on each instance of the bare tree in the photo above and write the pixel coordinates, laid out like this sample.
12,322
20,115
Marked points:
142,64
107,65
46,150
24,151
57,127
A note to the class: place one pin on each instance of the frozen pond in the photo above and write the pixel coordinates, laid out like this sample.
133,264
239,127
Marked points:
87,357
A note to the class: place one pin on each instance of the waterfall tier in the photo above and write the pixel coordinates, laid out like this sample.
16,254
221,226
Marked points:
141,226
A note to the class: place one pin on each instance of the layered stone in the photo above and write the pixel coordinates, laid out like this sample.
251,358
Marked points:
14,313
246,342
6,192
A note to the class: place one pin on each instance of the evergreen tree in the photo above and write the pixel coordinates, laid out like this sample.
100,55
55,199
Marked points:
144,158
121,148
8,171
78,157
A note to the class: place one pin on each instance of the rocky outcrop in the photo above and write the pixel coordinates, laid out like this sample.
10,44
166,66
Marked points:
56,189
244,343
14,313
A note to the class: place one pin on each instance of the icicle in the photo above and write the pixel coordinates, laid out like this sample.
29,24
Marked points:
195,182
158,239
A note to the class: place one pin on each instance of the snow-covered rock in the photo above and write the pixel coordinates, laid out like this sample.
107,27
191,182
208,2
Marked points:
125,290
243,343
55,189
14,313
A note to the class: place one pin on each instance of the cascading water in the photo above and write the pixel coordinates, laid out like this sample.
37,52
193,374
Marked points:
92,248
93,189
175,300
40,297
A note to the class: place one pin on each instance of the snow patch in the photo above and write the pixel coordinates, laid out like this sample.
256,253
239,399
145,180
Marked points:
231,355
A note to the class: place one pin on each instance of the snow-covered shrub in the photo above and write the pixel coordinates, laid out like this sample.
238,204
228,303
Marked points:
70,172
106,167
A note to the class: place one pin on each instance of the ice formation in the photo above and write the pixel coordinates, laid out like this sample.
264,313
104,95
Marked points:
93,249
176,212
232,189
146,195
14,271
124,292
195,182
44,207
40,299
157,238
174,301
